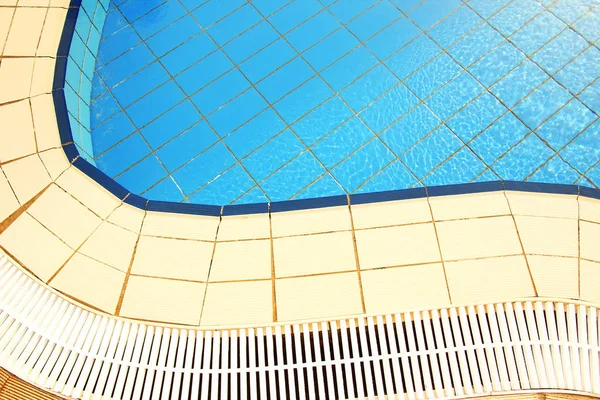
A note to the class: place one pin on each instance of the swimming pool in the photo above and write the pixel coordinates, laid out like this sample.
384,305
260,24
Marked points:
221,102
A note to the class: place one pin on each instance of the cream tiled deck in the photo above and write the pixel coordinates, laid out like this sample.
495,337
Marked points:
204,271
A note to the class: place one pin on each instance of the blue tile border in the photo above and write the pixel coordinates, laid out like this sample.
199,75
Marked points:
128,197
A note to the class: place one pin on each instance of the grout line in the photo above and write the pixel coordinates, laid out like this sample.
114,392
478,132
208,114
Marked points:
578,245
273,275
439,246
210,265
356,258
8,221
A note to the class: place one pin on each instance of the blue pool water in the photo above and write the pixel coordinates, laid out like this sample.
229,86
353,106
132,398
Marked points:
230,101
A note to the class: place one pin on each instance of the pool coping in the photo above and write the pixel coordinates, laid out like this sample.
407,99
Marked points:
74,158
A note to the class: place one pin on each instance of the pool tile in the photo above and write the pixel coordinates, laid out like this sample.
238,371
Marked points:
132,9
515,15
302,100
410,129
273,155
122,243
487,8
174,121
201,74
347,10
537,32
114,22
499,62
214,10
294,14
255,195
234,24
250,42
432,11
475,45
203,168
523,159
105,107
312,31
27,177
499,138
225,189
235,303
285,79
390,213
555,276
293,177
559,51
388,108
349,68
393,176
474,205
242,260
220,91
322,120
120,157
374,20
531,229
143,175
342,142
248,226
582,152
180,226
154,104
392,38
581,72
370,86
413,56
254,133
268,7
334,46
159,18
267,60
476,116
570,11
363,164
455,26
591,97
455,95
519,83
235,113
125,65
542,103
186,145
188,54
463,166
173,35
111,132
165,190
588,25
142,82
324,186
117,44
555,169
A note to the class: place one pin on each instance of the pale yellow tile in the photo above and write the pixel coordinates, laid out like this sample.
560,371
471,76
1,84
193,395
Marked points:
64,216
8,3
238,303
17,135
87,191
473,238
172,258
6,15
469,205
60,3
392,290
389,213
248,259
489,280
15,78
44,121
590,281
53,26
318,297
27,176
548,236
554,276
8,202
35,247
25,32
589,240
91,282
314,254
180,226
128,217
163,300
55,162
328,219
401,245
253,226
589,209
112,245
43,76
543,204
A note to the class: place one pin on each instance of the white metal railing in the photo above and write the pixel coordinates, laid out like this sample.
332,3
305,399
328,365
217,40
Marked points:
444,353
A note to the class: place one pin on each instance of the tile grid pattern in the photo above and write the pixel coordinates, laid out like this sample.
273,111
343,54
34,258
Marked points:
470,102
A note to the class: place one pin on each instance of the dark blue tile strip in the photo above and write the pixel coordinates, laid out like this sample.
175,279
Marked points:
72,154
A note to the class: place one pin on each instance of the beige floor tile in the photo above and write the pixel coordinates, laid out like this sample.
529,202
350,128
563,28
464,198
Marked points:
469,206
590,281
8,3
248,259
112,245
172,258
43,76
25,32
55,162
15,78
318,297
555,276
27,176
163,300
254,226
473,238
402,245
44,121
64,216
390,213
6,15
549,236
128,217
396,289
543,204
55,20
180,226
328,219
589,240
314,254
91,282
489,280
8,202
238,303
33,245
17,136
589,209
87,191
